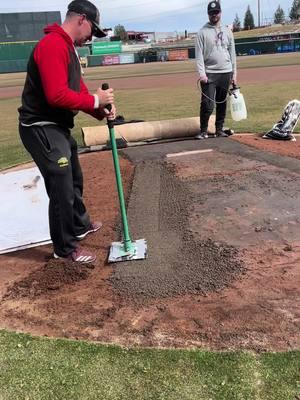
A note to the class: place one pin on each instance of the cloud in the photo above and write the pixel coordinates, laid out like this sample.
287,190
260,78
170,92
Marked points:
163,15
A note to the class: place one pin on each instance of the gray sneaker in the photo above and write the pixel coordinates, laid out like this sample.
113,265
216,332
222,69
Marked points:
201,135
221,133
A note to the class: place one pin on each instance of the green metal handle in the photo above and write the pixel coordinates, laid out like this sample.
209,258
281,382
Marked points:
128,246
127,241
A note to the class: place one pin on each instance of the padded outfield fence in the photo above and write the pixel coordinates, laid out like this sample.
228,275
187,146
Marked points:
14,55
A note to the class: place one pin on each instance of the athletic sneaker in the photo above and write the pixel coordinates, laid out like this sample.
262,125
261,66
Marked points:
221,133
229,131
79,255
94,227
201,135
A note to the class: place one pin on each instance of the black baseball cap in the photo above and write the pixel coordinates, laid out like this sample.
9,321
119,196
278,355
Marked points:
213,6
85,7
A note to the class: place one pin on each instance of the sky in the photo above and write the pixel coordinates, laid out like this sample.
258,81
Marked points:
155,15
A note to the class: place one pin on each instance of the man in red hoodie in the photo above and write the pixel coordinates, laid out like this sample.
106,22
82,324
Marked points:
53,94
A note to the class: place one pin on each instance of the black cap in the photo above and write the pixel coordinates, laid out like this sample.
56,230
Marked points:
213,6
85,7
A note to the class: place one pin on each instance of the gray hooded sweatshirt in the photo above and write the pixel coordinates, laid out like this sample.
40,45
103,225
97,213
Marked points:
215,50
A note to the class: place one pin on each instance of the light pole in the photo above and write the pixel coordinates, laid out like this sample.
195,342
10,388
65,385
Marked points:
258,12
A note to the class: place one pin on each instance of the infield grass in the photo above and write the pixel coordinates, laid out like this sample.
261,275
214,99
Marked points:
45,369
264,109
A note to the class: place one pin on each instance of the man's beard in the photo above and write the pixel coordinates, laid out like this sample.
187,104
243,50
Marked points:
214,21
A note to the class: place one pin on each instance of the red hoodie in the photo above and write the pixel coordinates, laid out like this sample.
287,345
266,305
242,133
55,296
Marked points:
54,88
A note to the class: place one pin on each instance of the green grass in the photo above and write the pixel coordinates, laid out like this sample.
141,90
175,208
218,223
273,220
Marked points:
12,151
264,105
40,369
268,60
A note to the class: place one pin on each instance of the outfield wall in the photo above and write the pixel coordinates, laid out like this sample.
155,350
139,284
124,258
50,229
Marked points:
254,47
14,55
25,26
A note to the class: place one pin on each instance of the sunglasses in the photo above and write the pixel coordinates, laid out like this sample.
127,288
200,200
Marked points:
214,12
93,27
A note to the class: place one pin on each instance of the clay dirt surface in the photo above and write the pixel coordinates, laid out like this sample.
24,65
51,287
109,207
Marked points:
224,249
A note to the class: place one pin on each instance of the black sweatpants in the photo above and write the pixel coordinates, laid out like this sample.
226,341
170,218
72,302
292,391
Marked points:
54,151
216,89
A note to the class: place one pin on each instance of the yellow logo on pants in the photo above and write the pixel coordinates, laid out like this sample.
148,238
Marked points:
63,162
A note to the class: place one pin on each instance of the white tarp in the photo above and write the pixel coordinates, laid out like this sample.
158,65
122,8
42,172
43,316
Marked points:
23,211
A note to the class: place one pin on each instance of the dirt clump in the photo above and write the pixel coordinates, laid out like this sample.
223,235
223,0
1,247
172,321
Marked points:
50,277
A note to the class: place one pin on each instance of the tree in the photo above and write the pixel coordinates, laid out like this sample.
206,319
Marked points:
279,16
236,24
120,31
295,10
249,20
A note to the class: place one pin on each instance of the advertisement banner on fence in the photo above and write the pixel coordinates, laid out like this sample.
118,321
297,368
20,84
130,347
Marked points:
111,60
106,47
178,55
94,61
127,58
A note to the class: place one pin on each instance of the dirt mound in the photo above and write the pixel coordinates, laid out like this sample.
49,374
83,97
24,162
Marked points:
192,267
52,276
211,267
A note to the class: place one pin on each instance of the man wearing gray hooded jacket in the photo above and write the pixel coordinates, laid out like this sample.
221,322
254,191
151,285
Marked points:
216,65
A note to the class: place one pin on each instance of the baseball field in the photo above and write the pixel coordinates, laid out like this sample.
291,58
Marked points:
213,312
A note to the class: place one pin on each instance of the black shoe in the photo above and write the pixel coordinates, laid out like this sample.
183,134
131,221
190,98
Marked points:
221,133
229,131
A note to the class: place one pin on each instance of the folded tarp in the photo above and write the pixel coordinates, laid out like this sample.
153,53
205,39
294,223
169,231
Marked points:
284,128
23,211
142,131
